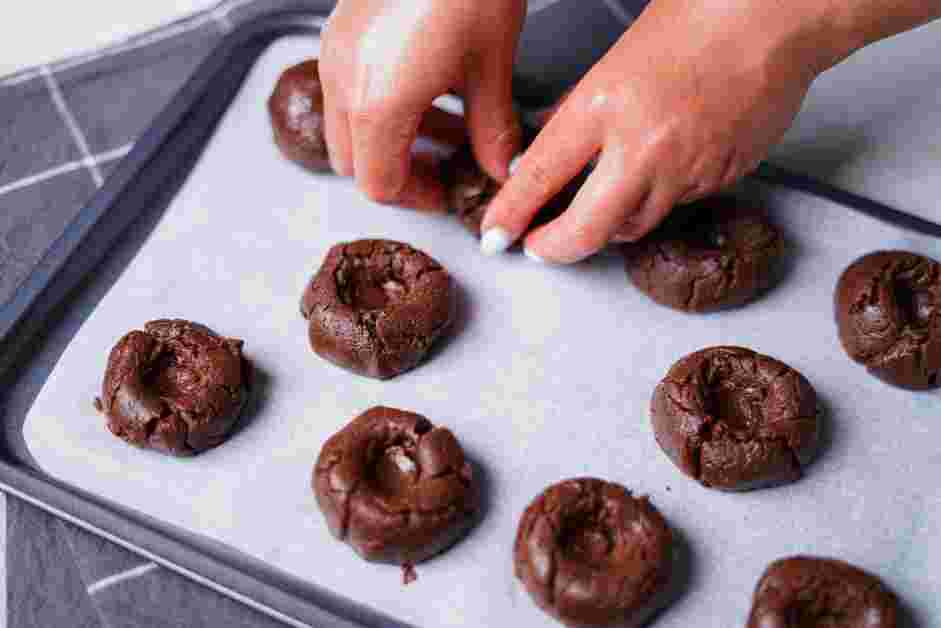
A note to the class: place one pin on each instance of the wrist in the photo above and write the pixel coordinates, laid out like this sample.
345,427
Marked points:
832,30
814,36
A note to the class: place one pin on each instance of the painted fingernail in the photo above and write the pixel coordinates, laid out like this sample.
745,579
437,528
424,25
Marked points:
495,241
533,256
515,163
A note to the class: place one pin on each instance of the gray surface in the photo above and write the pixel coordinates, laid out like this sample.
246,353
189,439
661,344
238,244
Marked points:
42,184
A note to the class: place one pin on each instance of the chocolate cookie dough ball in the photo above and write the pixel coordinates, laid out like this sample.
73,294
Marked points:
395,487
712,255
591,554
296,109
811,592
176,387
888,310
376,307
736,420
470,190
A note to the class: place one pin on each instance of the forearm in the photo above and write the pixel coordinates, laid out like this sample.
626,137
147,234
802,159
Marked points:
808,36
805,37
858,23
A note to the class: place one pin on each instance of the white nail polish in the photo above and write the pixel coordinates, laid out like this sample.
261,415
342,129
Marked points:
494,241
514,164
532,256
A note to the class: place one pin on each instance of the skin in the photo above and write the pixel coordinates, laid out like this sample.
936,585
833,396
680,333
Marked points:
383,62
689,100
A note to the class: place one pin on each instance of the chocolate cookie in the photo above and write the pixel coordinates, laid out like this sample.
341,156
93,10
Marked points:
470,190
395,487
376,307
591,554
296,109
888,310
711,255
736,420
176,387
805,592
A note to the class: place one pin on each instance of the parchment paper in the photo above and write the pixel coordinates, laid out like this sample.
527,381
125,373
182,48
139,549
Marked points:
548,375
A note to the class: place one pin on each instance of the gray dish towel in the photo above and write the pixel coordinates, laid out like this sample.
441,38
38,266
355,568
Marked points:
63,128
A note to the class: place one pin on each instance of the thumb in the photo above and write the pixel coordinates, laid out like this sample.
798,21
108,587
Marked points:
492,120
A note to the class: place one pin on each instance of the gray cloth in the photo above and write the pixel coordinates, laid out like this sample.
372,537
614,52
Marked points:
62,130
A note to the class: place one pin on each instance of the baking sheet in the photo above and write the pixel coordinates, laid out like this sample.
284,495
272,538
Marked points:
547,375
873,124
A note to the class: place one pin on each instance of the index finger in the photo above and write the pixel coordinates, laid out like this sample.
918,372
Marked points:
559,153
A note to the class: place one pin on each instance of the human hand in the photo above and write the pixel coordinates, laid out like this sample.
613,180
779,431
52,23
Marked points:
383,62
688,101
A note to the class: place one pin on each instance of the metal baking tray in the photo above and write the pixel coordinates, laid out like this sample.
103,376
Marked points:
63,289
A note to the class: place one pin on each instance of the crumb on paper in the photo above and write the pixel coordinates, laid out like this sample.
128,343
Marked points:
98,405
409,575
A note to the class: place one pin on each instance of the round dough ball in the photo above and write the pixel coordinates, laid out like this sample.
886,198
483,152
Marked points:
888,310
806,591
296,110
395,487
376,307
708,256
736,420
591,554
176,387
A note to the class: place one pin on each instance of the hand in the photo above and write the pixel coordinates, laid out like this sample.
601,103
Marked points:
382,64
688,101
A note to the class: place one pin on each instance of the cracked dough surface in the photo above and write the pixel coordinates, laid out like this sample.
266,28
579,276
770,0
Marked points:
712,255
888,311
395,487
376,307
734,419
591,554
176,387
806,592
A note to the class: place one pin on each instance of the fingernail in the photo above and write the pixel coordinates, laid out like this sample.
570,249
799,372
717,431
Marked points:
533,257
515,163
495,241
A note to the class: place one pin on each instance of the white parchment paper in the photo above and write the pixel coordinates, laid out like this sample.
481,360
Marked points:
548,375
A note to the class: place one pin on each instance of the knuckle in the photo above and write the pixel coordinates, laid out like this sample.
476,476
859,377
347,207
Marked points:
734,171
669,135
506,134
537,179
587,239
655,208
694,193
707,185
362,115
